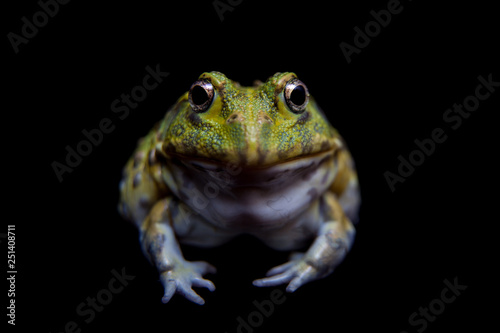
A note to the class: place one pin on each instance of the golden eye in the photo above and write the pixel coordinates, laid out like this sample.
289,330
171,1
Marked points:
201,95
296,95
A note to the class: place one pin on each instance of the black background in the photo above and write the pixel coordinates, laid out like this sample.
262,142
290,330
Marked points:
434,226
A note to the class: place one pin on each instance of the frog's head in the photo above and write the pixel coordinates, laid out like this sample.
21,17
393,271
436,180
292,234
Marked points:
219,120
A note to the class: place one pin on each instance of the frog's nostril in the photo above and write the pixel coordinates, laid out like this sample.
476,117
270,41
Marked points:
235,117
264,118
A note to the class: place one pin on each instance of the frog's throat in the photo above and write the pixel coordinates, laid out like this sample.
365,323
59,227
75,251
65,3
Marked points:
249,198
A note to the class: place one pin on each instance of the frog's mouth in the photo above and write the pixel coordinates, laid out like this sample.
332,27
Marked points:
235,175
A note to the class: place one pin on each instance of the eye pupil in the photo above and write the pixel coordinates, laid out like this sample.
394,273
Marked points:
199,95
298,95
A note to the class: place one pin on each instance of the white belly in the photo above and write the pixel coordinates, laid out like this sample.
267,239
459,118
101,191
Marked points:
255,200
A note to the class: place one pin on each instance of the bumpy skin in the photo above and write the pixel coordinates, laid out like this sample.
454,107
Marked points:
248,164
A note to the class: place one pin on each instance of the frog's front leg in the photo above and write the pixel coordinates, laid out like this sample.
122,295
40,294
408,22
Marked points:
333,241
160,245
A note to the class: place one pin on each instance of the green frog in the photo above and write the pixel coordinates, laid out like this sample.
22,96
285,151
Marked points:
228,160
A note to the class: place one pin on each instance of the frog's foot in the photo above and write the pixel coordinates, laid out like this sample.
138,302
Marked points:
160,245
327,251
296,272
185,275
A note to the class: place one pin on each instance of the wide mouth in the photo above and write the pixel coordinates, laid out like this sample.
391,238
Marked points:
237,175
204,163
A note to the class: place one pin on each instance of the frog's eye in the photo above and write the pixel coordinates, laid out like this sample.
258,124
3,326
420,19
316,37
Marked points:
296,95
201,95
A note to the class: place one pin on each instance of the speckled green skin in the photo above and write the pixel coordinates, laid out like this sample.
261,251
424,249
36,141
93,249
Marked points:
246,125
247,164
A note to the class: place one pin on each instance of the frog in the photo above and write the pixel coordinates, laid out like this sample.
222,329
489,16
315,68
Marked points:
230,160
